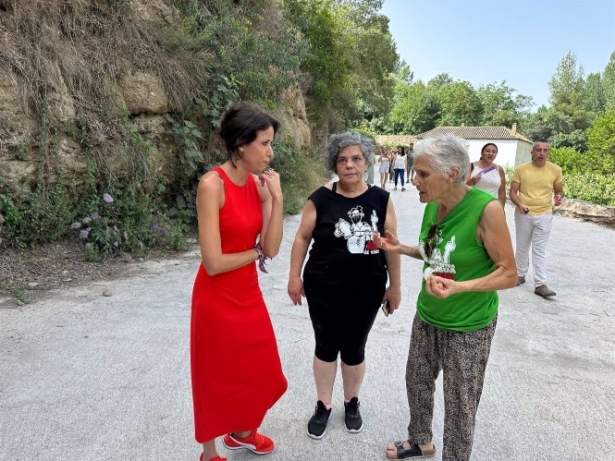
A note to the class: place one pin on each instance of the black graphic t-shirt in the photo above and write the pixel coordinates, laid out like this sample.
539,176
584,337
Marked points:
344,229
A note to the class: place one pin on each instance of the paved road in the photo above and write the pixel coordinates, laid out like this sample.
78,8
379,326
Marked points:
87,377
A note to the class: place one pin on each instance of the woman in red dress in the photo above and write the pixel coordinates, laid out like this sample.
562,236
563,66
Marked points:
235,365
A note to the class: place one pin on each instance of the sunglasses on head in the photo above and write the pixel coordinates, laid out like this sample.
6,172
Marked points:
430,240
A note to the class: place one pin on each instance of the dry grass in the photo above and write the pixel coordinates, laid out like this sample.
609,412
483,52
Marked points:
83,48
91,48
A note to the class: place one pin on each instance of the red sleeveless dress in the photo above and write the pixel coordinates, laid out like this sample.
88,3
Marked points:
235,364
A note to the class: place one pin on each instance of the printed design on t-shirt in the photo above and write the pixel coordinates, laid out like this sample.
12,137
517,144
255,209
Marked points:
358,233
439,263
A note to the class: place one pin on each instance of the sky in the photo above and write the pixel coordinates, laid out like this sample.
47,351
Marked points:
487,41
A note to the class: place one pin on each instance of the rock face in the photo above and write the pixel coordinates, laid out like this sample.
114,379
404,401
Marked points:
587,211
292,116
144,94
136,98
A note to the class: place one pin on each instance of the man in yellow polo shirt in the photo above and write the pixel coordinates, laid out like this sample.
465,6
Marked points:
531,190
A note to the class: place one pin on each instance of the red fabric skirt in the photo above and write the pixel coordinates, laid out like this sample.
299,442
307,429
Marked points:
236,371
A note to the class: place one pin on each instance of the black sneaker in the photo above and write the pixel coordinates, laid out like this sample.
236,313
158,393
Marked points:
352,418
317,426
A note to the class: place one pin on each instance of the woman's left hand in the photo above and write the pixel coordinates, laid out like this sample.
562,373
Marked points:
271,179
441,287
393,295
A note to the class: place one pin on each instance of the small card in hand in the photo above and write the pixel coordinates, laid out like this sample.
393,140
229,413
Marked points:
385,308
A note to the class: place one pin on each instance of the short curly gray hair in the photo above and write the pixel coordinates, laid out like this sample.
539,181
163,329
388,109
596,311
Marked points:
349,138
445,153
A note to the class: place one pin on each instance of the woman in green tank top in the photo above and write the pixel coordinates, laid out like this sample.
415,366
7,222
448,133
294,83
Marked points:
467,253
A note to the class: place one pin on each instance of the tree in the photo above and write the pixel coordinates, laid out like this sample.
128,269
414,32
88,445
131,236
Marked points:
459,104
439,81
601,144
576,140
374,59
568,99
350,57
571,161
544,123
608,83
403,72
567,83
594,94
415,109
501,107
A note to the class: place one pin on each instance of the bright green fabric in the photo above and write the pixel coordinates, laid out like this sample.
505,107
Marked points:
459,255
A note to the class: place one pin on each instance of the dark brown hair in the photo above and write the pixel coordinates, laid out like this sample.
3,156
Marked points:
239,125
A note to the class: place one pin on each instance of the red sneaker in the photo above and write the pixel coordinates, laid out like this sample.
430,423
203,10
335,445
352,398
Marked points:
255,442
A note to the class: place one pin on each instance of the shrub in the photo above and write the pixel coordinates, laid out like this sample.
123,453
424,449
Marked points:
39,216
127,221
570,160
592,187
300,175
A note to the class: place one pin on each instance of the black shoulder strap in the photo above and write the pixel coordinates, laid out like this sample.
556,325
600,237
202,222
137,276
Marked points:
334,187
471,167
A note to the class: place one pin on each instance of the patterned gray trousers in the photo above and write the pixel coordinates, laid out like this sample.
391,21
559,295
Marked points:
463,358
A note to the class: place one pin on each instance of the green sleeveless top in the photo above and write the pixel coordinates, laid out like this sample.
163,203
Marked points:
457,255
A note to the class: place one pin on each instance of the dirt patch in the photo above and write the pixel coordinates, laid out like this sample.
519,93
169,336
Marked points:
27,275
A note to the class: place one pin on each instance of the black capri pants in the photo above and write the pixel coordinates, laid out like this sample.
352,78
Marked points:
342,308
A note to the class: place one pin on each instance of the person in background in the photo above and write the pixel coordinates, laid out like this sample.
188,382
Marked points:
392,156
467,256
531,190
345,277
370,172
385,166
400,164
488,176
409,161
236,372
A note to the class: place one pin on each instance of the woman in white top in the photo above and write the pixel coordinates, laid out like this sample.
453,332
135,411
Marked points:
400,167
492,181
384,167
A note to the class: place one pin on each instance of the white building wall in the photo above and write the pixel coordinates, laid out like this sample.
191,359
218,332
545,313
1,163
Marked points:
524,150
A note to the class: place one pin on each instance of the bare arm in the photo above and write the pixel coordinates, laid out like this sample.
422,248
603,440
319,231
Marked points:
558,188
493,232
469,179
393,292
270,191
472,180
209,200
502,189
514,197
299,251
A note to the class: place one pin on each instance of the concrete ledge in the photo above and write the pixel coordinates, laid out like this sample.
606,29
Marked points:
581,209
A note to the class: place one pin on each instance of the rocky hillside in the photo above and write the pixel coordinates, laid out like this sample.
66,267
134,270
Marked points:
85,86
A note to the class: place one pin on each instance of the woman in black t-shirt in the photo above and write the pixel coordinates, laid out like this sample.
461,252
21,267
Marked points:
344,280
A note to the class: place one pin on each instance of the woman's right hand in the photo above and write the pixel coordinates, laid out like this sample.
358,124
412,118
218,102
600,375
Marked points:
387,243
271,179
295,290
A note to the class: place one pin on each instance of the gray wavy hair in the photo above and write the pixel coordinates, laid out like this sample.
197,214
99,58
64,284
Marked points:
349,138
445,153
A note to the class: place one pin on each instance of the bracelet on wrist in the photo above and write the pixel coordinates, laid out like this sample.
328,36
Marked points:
261,257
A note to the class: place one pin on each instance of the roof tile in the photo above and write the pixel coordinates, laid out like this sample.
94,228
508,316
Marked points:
474,132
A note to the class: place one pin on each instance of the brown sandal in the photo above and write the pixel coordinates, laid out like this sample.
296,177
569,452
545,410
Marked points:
414,452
